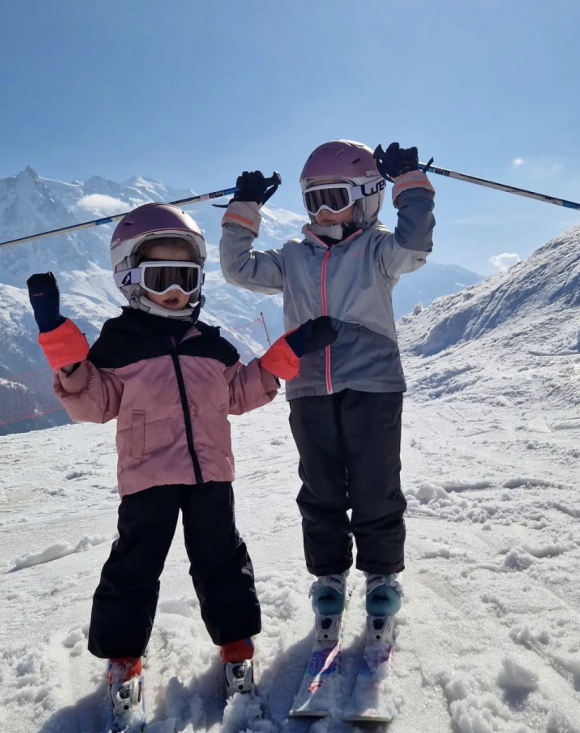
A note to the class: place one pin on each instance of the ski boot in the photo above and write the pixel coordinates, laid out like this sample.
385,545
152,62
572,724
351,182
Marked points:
328,594
383,597
239,671
125,678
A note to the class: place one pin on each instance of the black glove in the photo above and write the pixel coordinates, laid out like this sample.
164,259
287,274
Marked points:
45,301
394,161
311,336
254,187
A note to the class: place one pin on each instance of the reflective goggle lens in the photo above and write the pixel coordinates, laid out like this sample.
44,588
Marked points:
162,278
336,199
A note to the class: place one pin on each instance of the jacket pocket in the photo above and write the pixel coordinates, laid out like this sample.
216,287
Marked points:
138,435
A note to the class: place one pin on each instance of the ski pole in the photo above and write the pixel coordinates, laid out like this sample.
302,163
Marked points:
429,168
275,179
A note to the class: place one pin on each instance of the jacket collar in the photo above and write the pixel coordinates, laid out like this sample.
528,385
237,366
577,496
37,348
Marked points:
309,236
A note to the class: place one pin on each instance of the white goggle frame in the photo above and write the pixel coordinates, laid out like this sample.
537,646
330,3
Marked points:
136,276
354,193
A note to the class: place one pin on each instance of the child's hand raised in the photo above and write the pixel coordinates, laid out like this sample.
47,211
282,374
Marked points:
45,301
60,339
253,186
283,358
394,161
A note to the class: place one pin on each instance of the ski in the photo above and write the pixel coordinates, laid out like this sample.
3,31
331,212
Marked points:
317,695
371,699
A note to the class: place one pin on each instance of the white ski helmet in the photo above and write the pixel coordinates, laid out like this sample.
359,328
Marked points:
353,163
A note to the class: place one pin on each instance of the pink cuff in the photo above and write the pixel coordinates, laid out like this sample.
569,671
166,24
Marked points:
412,179
75,382
244,214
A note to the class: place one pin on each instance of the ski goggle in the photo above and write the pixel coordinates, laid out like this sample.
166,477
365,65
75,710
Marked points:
337,197
161,277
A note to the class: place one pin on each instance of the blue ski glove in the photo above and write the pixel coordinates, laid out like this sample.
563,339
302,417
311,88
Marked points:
45,300
312,336
394,161
254,187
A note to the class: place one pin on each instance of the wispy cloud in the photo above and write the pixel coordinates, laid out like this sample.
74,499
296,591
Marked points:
504,261
477,220
539,168
102,205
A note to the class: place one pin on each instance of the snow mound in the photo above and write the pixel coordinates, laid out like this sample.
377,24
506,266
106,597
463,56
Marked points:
58,550
513,303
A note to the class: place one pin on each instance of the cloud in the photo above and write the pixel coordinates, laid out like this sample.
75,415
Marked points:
540,168
504,261
477,220
102,205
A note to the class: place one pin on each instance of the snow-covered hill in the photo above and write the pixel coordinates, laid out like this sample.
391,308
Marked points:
30,204
489,633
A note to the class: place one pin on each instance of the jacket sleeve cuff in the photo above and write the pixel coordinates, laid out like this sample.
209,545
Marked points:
270,382
281,361
244,214
64,345
75,382
412,179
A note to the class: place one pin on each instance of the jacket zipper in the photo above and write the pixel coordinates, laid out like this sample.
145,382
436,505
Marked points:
325,313
186,415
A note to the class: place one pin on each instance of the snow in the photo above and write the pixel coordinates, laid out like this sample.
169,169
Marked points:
489,633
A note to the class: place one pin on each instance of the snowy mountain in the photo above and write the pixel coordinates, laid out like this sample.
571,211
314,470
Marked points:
489,634
30,204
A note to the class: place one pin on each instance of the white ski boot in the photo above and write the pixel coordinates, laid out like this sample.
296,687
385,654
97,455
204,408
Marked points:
126,691
383,596
238,668
239,677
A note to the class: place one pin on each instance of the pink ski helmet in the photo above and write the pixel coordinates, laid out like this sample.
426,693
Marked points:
147,222
348,161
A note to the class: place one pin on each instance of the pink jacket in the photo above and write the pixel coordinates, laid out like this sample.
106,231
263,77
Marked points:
171,397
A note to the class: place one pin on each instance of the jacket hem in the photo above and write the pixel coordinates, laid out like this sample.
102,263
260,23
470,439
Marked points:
359,385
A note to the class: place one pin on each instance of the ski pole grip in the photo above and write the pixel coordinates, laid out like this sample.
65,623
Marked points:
274,180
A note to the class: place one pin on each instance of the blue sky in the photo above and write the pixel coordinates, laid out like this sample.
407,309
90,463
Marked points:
193,93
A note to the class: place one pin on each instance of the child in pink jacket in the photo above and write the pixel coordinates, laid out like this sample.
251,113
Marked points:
171,381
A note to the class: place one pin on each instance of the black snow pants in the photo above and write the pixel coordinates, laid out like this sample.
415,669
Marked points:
349,445
223,577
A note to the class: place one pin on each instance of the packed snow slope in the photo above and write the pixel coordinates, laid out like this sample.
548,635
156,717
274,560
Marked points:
30,204
489,633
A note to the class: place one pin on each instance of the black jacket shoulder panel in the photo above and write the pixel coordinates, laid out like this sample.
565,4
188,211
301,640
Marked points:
128,339
211,345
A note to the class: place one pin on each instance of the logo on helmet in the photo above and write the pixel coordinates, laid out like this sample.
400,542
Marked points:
116,243
372,174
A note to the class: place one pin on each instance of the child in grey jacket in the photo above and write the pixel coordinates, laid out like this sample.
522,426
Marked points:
346,405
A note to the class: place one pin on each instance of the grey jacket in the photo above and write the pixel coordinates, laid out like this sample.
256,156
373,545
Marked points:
351,281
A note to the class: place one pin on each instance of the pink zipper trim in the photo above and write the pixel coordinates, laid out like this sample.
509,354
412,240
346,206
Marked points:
323,290
324,313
